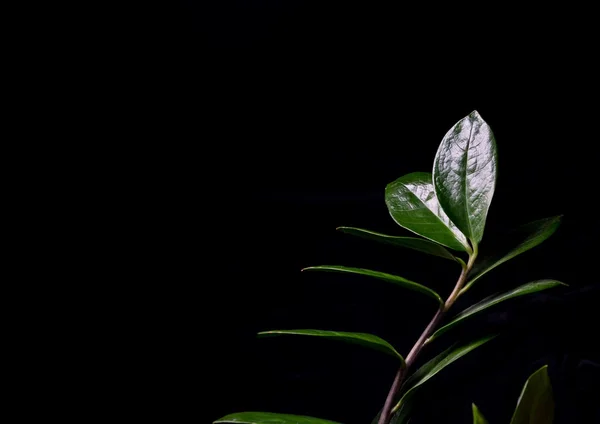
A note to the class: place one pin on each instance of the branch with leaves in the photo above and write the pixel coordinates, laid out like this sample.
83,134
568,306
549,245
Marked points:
447,209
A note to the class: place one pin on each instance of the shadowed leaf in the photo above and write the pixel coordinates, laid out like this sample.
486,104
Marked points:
533,287
421,245
434,366
403,282
513,244
363,339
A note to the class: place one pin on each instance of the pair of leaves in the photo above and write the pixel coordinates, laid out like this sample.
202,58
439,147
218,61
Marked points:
513,244
367,340
426,372
450,205
535,405
529,288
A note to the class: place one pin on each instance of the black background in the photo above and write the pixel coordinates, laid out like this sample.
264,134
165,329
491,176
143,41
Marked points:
279,122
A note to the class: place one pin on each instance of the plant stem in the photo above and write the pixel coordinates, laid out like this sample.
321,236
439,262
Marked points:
414,352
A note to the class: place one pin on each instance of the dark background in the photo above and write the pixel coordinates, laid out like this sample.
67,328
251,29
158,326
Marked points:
281,121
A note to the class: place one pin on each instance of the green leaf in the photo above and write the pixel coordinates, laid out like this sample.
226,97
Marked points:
421,245
404,415
397,418
478,417
516,242
363,339
270,418
534,286
464,174
403,282
535,405
434,366
412,203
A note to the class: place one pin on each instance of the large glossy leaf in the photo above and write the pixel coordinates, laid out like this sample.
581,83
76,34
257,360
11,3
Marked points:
403,282
514,243
412,203
464,174
421,245
363,339
534,286
270,418
478,417
434,366
535,405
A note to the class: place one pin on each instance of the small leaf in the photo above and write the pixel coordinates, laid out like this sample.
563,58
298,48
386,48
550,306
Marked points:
412,203
516,242
421,245
464,174
270,418
478,417
363,339
403,282
534,286
535,405
435,365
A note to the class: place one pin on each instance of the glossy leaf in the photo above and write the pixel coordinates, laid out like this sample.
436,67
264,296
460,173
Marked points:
270,418
412,203
403,282
363,339
535,405
434,366
478,417
516,242
421,245
464,174
533,287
